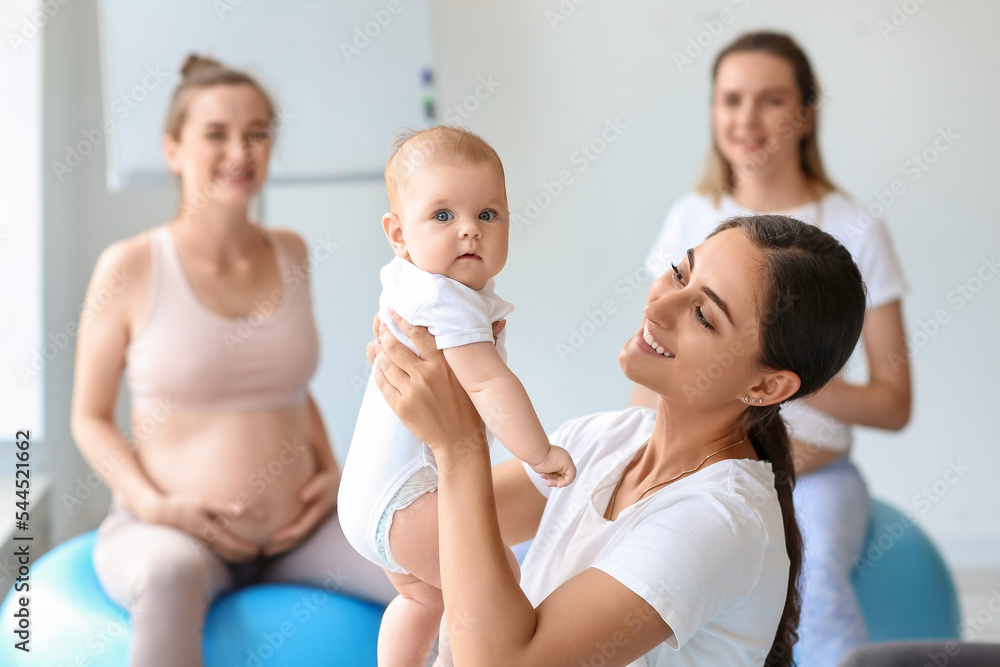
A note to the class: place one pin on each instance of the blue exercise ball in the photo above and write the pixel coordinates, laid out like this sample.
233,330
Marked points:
73,622
902,583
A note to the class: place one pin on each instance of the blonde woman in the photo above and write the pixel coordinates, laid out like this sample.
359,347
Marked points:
231,478
765,158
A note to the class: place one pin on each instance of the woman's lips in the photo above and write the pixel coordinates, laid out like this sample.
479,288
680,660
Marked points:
234,178
653,343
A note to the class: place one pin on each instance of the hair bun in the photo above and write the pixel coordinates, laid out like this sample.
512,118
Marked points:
193,63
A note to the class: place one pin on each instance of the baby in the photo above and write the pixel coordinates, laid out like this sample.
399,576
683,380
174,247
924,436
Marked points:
448,226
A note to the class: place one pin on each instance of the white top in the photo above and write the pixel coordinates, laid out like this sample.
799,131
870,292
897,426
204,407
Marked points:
383,453
455,314
693,218
707,552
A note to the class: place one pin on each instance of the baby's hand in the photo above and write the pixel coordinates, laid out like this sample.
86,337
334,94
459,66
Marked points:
557,469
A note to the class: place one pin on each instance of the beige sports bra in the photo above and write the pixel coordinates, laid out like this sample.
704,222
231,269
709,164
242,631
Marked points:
199,360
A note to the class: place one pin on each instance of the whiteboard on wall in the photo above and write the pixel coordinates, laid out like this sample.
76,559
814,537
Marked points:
346,77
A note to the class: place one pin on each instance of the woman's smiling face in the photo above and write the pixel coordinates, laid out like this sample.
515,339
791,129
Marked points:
224,147
698,342
758,118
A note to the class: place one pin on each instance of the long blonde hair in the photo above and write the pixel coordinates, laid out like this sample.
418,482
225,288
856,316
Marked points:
718,177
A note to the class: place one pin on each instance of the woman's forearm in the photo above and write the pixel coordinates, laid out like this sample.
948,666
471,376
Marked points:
489,617
104,447
317,438
876,405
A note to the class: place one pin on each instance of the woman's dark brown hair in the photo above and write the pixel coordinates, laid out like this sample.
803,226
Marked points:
811,311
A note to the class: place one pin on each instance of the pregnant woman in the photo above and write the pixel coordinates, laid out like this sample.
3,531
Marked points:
230,477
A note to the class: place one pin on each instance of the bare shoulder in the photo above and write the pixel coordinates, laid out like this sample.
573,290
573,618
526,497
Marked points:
292,242
127,261
122,271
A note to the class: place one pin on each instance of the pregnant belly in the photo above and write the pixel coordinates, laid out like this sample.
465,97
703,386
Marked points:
257,460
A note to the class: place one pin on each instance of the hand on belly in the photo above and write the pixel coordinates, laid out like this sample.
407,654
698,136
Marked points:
267,494
257,522
256,463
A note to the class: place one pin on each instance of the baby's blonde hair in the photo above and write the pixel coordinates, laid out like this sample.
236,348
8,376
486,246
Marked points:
441,143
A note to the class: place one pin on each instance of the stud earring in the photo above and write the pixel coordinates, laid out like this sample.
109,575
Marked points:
746,399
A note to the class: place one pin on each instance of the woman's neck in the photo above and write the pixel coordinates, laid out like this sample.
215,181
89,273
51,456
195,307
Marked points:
779,190
681,439
215,233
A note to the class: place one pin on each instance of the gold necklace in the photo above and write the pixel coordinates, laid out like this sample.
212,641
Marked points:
614,494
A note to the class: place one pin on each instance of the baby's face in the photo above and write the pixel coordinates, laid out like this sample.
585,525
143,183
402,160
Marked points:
455,221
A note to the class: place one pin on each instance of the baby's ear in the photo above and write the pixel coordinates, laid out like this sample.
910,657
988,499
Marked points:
393,229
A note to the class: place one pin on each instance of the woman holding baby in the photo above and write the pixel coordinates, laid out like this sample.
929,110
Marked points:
675,544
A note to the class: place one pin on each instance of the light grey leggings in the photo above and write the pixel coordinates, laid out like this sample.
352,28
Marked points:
167,579
832,505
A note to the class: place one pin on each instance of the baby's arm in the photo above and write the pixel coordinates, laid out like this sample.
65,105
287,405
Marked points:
506,409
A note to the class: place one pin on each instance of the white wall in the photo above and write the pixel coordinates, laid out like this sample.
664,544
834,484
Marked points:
20,225
554,88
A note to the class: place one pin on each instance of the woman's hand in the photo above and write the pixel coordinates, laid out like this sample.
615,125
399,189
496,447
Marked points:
318,496
425,394
377,327
207,520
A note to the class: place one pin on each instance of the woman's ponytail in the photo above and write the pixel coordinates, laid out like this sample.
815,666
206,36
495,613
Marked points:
811,316
766,430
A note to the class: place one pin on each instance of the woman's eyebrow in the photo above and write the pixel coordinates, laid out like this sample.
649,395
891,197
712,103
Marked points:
716,299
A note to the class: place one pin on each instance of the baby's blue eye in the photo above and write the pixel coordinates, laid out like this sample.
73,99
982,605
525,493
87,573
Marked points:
442,216
488,215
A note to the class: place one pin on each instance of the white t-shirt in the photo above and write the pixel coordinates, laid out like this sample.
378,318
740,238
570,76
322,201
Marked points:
455,314
693,218
707,552
383,453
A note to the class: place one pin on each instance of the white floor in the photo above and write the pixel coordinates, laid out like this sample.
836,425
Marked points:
979,595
